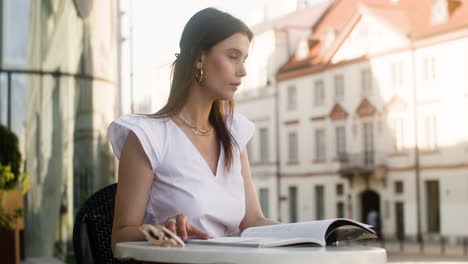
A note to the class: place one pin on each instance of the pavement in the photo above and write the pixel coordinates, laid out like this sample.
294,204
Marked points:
423,259
433,253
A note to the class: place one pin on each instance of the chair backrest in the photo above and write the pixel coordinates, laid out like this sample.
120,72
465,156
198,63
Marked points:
97,214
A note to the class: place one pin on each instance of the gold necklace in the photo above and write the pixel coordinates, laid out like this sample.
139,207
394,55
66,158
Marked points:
197,131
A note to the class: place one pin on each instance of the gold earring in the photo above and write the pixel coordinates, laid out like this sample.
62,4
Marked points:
199,76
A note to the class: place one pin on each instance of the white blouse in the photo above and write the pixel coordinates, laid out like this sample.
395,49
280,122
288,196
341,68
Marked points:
183,182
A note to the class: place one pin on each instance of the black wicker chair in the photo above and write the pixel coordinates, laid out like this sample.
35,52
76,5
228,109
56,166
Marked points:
97,214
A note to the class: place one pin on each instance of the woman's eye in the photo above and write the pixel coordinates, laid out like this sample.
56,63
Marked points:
233,57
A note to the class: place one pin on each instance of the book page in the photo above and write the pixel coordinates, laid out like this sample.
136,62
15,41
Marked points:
321,230
256,241
310,229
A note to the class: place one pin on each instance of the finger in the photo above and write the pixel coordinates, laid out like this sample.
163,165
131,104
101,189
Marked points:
182,223
196,233
171,225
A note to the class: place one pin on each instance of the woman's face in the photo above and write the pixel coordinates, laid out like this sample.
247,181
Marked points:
223,67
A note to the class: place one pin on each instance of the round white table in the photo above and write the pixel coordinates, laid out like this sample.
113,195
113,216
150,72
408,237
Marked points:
192,253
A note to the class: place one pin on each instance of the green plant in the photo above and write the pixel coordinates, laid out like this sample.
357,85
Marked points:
6,219
6,176
9,156
8,180
10,175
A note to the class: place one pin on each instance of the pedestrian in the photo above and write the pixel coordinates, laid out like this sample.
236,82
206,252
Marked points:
373,219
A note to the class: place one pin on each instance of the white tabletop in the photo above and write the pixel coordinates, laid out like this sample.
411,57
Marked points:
144,251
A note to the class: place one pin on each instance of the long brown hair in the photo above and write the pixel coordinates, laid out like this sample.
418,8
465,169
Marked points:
204,30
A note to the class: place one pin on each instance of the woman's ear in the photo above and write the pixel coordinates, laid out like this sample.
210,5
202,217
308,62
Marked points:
200,60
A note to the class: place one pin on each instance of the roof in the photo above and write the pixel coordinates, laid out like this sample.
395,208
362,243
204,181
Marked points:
412,18
304,18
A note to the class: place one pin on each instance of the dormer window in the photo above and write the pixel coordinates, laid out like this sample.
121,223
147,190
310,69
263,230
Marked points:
439,11
330,37
302,49
443,9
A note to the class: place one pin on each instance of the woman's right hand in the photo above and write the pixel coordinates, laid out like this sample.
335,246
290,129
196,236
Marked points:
181,226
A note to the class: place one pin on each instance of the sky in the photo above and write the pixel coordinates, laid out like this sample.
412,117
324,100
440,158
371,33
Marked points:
157,27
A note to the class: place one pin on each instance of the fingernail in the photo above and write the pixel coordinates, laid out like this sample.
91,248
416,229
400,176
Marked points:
184,238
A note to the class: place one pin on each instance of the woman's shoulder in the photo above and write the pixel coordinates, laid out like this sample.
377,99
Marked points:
241,128
238,120
149,130
142,120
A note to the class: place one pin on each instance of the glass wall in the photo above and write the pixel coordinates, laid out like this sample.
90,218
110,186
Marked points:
57,94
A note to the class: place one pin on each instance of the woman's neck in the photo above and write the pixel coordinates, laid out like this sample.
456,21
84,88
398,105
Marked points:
197,109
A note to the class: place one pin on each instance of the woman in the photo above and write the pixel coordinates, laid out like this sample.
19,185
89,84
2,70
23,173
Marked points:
186,167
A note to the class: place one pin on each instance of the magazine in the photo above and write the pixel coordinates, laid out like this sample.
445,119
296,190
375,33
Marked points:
310,233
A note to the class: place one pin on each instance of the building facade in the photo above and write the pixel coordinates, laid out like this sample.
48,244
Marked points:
371,118
258,101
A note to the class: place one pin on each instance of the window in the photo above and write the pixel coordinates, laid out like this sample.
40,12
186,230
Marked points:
38,149
264,152
340,210
3,99
319,202
339,87
319,93
429,67
396,75
368,139
339,189
291,98
340,134
15,32
320,144
433,206
293,204
398,187
264,201
366,82
293,151
398,134
400,220
430,129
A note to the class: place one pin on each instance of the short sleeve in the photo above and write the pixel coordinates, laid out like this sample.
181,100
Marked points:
242,130
118,131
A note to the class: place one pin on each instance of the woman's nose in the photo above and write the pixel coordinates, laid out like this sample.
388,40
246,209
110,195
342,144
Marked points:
242,72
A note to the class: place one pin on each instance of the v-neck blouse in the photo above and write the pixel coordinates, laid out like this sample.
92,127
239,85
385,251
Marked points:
183,182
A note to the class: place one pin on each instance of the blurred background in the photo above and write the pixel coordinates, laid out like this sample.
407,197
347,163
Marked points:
360,106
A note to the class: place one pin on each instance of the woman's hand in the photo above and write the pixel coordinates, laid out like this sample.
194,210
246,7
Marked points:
181,226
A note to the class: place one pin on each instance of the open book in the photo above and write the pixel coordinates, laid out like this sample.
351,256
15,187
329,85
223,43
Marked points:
311,233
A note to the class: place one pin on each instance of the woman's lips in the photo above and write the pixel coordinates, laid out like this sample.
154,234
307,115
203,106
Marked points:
236,85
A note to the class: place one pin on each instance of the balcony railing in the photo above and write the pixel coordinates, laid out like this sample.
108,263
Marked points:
366,161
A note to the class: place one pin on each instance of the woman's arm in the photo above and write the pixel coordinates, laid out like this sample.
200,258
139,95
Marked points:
253,213
133,188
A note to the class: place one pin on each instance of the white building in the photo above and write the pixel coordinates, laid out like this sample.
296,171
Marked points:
272,46
375,78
